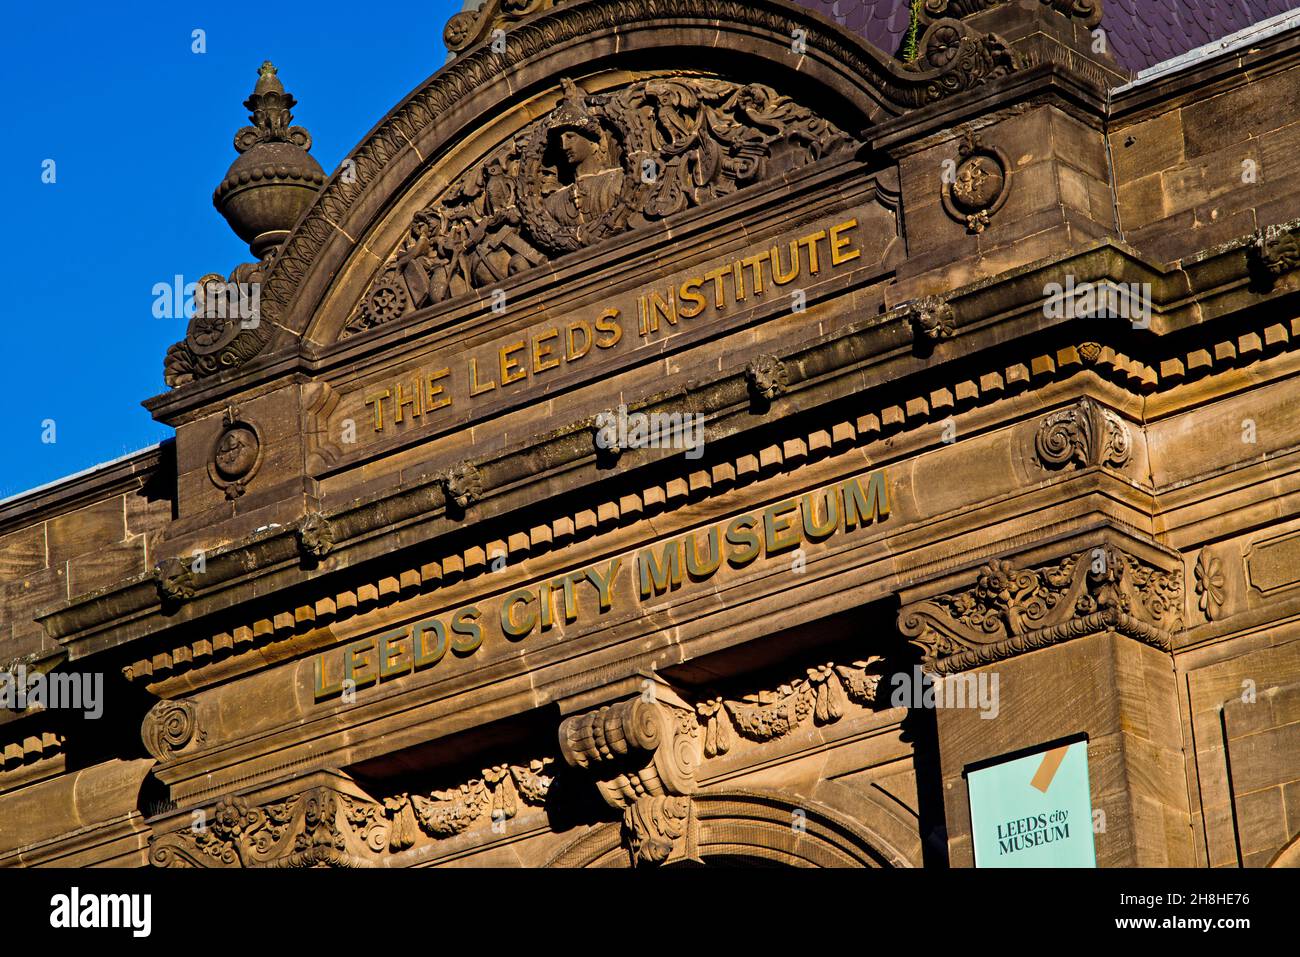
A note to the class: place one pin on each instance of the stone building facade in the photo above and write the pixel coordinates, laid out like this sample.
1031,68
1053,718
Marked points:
574,471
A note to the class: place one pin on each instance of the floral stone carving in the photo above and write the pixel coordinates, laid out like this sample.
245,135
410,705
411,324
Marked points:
1011,610
1086,434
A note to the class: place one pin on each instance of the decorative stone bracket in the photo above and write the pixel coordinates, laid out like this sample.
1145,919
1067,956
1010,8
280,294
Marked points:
1085,434
1011,610
644,753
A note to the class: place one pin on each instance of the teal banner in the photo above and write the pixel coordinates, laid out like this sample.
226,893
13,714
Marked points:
1034,811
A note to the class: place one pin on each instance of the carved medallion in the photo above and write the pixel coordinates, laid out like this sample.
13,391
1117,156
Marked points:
236,456
979,185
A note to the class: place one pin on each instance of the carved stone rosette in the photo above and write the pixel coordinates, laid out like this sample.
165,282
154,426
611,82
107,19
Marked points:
174,580
463,485
1012,610
1085,434
315,536
1211,585
644,753
767,378
932,318
169,727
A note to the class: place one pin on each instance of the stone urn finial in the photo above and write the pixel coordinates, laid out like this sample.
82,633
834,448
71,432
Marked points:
274,179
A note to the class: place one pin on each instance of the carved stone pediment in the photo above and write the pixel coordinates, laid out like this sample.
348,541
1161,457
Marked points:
594,167
1011,609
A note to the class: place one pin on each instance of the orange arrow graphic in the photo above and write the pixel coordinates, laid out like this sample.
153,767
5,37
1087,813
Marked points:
1047,770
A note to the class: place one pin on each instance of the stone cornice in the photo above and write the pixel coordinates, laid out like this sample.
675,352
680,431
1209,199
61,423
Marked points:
876,350
76,491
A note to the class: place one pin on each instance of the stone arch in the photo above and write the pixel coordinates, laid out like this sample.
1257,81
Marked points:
755,825
1289,856
851,82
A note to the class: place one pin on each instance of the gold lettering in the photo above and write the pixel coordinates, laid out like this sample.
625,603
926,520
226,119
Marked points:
690,292
511,371
420,655
608,323
324,689
432,402
812,529
358,656
864,507
810,243
474,387
572,353
782,278
465,623
540,356
658,307
840,243
391,654
696,568
755,264
774,540
604,586
508,626
378,401
717,277
656,577
743,539
404,398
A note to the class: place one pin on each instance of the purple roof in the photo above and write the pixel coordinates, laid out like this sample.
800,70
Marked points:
1141,32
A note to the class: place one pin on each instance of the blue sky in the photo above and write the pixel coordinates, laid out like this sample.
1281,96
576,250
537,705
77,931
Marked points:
140,127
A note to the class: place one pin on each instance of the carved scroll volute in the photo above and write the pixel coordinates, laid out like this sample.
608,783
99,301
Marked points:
643,753
635,748
169,727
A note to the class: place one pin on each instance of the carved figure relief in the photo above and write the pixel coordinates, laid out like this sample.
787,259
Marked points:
594,167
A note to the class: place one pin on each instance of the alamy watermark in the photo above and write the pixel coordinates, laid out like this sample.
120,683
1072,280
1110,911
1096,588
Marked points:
620,430
919,689
210,298
1099,300
64,691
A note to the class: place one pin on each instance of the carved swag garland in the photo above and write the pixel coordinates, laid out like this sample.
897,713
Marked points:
642,754
596,166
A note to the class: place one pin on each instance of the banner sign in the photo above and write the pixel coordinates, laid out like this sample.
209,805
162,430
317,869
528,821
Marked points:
1033,811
